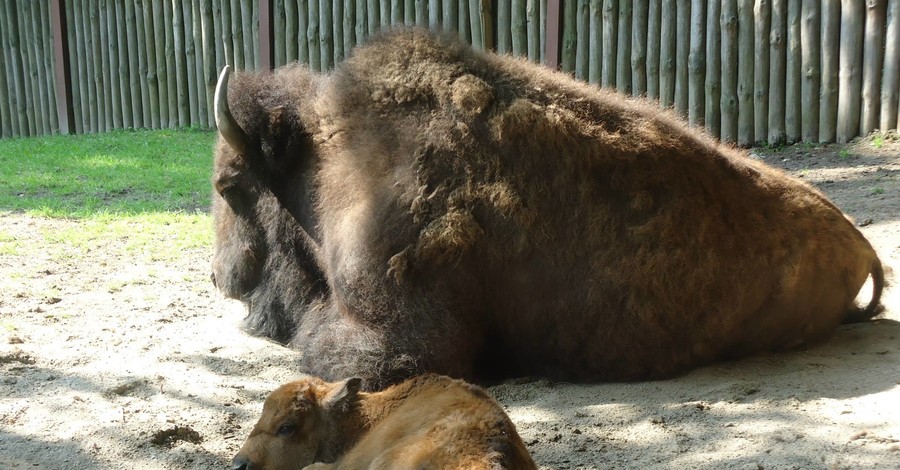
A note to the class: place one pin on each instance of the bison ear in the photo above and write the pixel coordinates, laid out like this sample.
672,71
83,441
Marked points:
344,394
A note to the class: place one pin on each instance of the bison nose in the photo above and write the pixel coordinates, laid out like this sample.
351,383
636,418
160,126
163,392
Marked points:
240,463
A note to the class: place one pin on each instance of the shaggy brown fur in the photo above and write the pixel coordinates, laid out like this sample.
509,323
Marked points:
426,422
427,207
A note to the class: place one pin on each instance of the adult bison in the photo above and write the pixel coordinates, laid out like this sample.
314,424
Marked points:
427,207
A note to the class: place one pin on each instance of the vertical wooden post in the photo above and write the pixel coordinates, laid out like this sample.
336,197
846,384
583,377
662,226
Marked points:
266,35
553,34
62,71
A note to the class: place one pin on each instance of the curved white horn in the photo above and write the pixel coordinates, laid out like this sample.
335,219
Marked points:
225,123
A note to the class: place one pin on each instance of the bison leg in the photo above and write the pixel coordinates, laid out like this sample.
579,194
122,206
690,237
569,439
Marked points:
335,346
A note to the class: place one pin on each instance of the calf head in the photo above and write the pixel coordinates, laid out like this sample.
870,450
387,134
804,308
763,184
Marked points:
302,422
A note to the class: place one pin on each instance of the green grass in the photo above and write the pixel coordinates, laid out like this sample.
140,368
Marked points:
124,172
135,191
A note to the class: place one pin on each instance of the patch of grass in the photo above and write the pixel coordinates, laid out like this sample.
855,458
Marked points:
126,192
845,153
877,141
122,172
878,191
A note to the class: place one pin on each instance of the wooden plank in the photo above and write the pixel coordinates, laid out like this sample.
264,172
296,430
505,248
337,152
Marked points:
569,36
792,74
811,66
143,66
682,54
504,23
609,52
349,25
422,13
312,36
450,17
623,48
361,24
487,25
464,27
697,63
252,32
165,64
290,30
542,30
746,62
409,12
279,40
667,54
189,64
49,79
18,103
596,40
247,36
62,70
850,73
236,33
873,59
29,67
42,121
123,67
777,63
397,12
639,48
713,82
582,45
337,31
890,81
763,28
181,73
204,104
475,22
109,100
374,11
265,35
45,93
149,52
831,35
9,74
519,28
553,34
209,75
112,53
533,22
434,14
303,24
218,35
136,86
385,15
654,31
6,114
729,97
326,36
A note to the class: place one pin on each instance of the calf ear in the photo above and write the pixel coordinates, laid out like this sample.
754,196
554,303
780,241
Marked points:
343,394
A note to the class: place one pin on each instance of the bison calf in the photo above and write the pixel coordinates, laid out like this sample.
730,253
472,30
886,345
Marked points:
430,421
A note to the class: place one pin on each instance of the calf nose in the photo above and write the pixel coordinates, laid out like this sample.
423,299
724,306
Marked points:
240,463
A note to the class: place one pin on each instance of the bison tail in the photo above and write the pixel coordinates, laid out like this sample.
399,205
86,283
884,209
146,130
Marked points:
858,315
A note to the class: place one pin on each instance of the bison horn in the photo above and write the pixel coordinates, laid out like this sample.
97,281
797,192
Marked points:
225,123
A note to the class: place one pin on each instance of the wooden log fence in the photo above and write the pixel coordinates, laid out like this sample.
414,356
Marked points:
749,71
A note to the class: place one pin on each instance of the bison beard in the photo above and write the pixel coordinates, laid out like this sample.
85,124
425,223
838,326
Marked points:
427,207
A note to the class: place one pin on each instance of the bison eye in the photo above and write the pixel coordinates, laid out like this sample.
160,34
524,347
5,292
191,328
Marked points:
287,429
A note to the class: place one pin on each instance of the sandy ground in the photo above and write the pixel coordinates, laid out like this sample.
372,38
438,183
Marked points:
110,361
